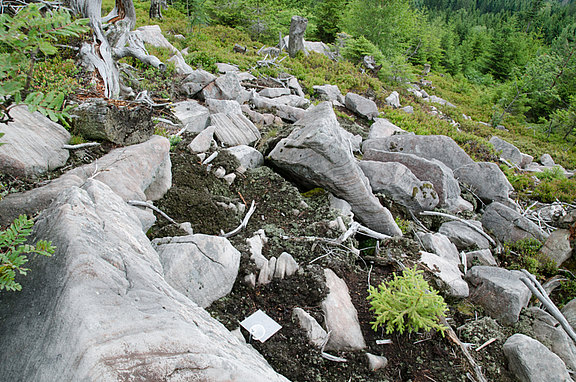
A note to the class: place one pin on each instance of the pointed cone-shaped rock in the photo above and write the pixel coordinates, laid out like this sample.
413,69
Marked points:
317,153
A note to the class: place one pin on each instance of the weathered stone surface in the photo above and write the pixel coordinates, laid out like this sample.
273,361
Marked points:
428,147
223,106
138,172
298,26
440,245
393,100
226,68
463,236
293,100
196,81
152,35
99,120
192,115
557,247
480,257
376,362
383,128
315,333
202,267
547,160
341,316
317,154
432,171
226,87
507,150
530,361
328,93
202,142
258,118
361,106
274,92
548,331
294,85
32,144
234,129
408,109
397,181
508,225
439,100
99,312
486,180
286,112
286,266
447,273
569,311
499,291
247,156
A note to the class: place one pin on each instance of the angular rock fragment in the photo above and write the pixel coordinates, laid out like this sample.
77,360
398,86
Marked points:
274,92
203,141
393,100
480,257
557,246
486,181
226,87
440,245
196,81
463,236
383,128
192,115
509,226
234,129
315,333
223,106
247,156
361,106
286,112
447,273
328,93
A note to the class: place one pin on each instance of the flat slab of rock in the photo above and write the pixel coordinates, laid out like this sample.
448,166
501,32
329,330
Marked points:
440,245
508,225
137,172
480,257
203,141
447,273
397,181
226,87
383,128
32,144
196,81
463,236
223,106
499,291
202,267
530,361
286,112
192,115
361,105
557,247
99,312
274,92
432,171
317,154
234,129
341,316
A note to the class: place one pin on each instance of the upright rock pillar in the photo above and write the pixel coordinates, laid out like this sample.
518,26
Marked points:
297,28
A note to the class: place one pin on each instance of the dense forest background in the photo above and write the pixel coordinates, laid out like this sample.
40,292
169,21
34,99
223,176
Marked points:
522,49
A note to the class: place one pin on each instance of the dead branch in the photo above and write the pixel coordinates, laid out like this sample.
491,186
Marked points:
80,146
480,231
244,222
139,203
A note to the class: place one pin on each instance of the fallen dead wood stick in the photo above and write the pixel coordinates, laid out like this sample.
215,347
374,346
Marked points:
356,227
541,295
244,222
486,344
454,338
185,226
480,231
80,146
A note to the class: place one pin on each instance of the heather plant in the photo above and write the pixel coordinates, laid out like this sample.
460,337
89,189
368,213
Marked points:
406,302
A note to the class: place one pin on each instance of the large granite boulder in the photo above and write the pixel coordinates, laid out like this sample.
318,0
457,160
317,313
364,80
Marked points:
383,128
499,291
31,144
397,182
202,267
317,154
486,181
137,172
557,246
226,87
508,225
438,147
530,361
432,171
101,310
193,116
234,129
463,236
361,105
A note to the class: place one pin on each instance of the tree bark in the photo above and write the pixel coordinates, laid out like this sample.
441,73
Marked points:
296,41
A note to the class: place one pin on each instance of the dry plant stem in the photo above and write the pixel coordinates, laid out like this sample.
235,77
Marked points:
139,203
80,146
356,227
454,338
431,213
244,222
541,295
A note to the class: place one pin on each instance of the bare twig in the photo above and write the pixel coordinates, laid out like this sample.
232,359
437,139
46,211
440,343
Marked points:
139,203
80,146
486,344
244,221
480,231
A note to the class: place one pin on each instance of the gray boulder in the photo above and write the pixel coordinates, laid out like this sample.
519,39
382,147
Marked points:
463,236
317,154
383,128
397,181
258,118
439,100
569,311
32,144
341,316
408,109
315,333
393,100
361,106
547,160
137,172
152,35
499,291
438,147
530,361
97,312
192,115
201,267
247,156
508,225
223,106
294,85
486,181
480,257
225,68
432,171
298,26
440,245
286,112
507,150
447,273
99,120
226,87
557,247
234,129
196,81
293,100
203,141
328,93
274,92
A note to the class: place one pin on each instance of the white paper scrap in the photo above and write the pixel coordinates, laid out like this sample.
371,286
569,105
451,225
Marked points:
260,325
